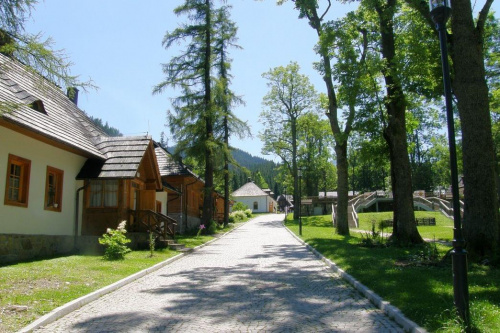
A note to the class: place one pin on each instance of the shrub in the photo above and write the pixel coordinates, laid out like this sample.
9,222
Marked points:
248,212
114,242
237,216
212,228
239,206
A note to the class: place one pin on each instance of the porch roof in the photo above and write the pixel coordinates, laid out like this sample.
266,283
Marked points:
123,157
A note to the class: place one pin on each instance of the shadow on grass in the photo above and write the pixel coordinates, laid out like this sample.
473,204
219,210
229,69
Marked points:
423,292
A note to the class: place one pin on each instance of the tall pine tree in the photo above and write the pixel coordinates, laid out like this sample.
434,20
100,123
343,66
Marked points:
193,118
225,38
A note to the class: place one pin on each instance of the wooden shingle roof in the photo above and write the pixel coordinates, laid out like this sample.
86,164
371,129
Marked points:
170,167
123,157
250,189
61,121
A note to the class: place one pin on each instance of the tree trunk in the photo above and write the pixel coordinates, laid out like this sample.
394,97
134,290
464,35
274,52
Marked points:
226,172
207,214
480,222
296,198
342,189
405,228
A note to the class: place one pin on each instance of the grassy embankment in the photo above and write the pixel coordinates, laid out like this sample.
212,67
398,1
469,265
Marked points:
409,278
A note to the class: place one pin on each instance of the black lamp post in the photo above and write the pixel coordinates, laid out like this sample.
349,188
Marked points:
440,12
300,201
286,204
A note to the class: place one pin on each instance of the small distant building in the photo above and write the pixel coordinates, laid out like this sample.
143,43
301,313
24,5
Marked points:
285,201
255,198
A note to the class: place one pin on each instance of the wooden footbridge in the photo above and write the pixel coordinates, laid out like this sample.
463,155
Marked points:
366,201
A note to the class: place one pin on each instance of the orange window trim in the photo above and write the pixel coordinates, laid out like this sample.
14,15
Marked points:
24,167
53,189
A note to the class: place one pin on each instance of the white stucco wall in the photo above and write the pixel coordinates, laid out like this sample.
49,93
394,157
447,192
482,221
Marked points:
162,197
262,202
34,219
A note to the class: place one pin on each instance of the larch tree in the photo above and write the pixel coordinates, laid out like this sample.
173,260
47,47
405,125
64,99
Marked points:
290,95
224,98
193,118
31,50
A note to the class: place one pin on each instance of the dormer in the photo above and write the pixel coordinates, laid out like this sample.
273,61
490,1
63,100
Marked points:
37,105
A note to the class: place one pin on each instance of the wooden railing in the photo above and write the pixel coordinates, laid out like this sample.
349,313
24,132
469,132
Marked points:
148,220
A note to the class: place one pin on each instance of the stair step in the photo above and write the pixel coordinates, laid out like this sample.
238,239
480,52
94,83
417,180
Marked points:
176,247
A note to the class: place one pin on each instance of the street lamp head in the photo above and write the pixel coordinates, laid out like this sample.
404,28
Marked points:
440,11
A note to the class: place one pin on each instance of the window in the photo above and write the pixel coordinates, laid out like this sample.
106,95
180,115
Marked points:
38,106
103,193
17,184
53,189
255,205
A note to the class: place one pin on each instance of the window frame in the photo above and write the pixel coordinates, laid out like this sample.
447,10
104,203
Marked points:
103,193
58,175
256,205
24,180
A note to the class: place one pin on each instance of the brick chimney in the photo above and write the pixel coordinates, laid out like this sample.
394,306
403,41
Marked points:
72,94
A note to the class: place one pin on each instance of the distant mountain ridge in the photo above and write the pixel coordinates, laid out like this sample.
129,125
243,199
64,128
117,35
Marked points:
249,166
247,160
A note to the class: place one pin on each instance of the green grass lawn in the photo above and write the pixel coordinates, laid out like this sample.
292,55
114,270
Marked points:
422,291
443,230
44,285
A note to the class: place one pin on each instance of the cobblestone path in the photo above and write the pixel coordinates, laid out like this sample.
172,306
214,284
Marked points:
257,278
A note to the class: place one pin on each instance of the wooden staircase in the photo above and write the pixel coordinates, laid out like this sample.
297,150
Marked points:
161,225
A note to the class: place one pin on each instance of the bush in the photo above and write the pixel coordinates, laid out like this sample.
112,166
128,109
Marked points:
237,216
239,206
248,212
114,242
212,228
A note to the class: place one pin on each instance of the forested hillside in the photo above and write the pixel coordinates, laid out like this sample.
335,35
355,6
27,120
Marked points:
253,166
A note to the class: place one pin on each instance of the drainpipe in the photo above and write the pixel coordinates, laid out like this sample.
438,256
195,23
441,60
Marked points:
77,209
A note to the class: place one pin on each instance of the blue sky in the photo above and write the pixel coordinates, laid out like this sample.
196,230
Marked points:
117,43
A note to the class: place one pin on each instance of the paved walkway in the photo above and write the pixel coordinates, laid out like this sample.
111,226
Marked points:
257,278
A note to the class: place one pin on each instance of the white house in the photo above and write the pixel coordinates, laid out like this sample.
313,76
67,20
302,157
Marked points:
61,176
255,198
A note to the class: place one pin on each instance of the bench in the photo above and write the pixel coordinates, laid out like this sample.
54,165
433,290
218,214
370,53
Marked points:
420,221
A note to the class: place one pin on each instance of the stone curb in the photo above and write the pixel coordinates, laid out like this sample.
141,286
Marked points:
81,301
390,310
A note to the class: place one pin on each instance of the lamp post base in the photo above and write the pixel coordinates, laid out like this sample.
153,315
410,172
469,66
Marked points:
460,283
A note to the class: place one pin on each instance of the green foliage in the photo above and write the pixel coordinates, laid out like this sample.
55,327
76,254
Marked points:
114,241
248,212
259,180
151,244
237,216
31,49
111,131
315,155
212,228
373,238
239,206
